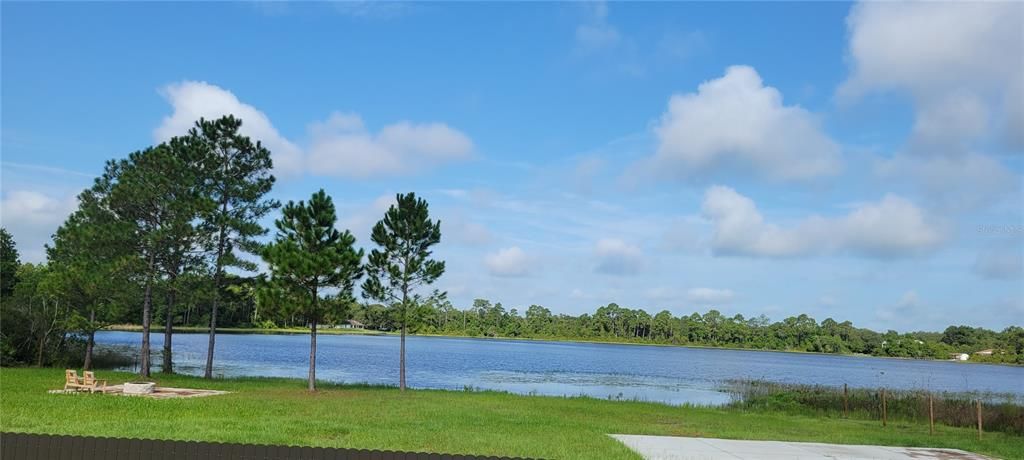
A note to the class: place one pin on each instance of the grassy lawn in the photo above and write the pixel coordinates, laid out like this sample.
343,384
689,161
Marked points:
281,411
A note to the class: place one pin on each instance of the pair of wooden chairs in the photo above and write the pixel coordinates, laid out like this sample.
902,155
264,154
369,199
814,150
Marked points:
88,382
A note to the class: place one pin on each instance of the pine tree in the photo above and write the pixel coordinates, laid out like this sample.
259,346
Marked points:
236,177
310,257
403,264
89,262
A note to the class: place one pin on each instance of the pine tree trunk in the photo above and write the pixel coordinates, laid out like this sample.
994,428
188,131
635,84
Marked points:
401,350
147,319
208,373
401,361
312,355
90,342
168,365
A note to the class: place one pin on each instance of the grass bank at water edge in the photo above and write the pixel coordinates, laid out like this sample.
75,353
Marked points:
281,411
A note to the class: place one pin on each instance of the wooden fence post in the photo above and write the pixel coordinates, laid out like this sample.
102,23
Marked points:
931,414
846,401
979,418
884,421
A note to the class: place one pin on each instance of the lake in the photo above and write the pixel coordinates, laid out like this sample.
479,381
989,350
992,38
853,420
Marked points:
673,375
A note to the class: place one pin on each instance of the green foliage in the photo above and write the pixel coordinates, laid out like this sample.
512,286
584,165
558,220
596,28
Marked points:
403,264
310,256
91,258
35,320
8,263
235,173
236,177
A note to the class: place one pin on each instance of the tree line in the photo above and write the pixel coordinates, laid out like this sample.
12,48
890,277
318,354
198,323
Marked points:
175,230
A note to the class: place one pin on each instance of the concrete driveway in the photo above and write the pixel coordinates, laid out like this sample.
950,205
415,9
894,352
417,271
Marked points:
679,448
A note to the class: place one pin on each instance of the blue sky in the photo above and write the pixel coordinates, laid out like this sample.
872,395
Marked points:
855,161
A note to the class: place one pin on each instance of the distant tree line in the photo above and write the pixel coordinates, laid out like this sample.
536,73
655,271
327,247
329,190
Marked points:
171,234
619,324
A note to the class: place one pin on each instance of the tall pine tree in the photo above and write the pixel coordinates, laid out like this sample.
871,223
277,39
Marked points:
309,258
236,177
403,264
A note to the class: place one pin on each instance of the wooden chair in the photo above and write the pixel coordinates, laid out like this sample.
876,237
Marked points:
71,381
92,384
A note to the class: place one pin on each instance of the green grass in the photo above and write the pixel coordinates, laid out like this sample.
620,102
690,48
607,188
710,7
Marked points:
281,411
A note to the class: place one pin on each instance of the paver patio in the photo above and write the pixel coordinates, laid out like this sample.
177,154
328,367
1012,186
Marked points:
158,392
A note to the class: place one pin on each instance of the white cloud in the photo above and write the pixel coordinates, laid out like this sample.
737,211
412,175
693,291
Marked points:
960,61
510,261
709,296
192,100
891,227
342,146
32,218
617,257
736,121
339,146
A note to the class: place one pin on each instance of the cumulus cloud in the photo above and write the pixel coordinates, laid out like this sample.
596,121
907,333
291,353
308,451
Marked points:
617,257
342,146
192,100
737,121
510,261
948,55
891,227
962,63
338,146
32,217
708,296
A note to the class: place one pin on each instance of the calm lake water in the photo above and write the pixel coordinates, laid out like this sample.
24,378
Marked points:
673,375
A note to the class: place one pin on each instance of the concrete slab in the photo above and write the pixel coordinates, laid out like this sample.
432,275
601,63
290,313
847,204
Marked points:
681,448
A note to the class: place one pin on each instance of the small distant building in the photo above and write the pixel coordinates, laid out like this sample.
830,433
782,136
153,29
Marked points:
960,356
987,352
352,324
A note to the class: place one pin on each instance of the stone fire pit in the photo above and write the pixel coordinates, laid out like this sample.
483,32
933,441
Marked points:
139,388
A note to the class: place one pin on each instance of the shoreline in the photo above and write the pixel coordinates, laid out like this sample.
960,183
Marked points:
158,329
